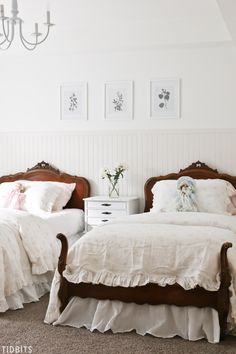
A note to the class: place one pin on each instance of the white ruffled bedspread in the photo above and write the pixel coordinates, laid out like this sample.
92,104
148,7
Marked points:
162,248
28,256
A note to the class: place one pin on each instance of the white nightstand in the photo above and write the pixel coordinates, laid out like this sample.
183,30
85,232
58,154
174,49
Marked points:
99,210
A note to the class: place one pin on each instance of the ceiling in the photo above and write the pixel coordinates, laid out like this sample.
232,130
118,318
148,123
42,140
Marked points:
131,24
228,11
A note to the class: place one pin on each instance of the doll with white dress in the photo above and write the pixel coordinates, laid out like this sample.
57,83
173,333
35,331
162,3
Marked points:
186,197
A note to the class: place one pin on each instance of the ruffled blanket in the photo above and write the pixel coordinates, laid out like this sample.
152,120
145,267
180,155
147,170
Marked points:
162,248
28,248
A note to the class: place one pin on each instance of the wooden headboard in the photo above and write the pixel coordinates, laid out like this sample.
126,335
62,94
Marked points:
197,170
43,171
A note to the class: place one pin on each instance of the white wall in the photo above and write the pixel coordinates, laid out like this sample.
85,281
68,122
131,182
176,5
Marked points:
137,40
30,87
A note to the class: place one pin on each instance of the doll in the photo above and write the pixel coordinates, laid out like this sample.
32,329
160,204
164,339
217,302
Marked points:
186,199
16,197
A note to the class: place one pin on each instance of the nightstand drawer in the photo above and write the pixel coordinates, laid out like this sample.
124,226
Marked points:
99,210
98,221
107,205
111,213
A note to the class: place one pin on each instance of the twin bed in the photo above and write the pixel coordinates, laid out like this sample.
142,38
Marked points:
162,273
28,246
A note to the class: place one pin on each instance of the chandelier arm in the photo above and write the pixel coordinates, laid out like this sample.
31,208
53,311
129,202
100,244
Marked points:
7,40
23,39
46,35
26,45
7,47
6,35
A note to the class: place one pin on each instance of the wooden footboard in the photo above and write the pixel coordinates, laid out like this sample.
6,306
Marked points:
152,294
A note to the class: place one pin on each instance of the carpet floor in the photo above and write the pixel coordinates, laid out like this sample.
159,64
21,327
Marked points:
26,328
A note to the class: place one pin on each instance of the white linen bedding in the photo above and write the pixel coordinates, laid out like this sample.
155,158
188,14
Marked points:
28,258
163,248
69,222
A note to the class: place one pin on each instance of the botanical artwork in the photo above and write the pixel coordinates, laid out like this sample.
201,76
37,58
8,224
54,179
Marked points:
119,100
164,98
74,101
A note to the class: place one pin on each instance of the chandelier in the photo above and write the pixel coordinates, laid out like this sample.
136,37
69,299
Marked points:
9,25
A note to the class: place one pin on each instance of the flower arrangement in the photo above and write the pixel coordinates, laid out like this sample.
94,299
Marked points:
113,177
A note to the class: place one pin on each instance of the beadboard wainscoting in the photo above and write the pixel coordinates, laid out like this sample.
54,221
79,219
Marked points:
147,153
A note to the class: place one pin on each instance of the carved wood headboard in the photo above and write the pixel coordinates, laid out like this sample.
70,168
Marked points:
197,170
43,171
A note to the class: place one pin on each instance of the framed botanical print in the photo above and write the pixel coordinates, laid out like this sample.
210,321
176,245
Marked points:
74,101
164,98
118,104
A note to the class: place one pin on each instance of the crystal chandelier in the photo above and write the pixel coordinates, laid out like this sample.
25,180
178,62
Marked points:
9,25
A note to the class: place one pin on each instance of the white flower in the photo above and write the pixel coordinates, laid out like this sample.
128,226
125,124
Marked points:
122,166
104,172
116,174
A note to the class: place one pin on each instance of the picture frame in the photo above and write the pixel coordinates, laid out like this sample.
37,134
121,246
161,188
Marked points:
165,98
74,101
118,100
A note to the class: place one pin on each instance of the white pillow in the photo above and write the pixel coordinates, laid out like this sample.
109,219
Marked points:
40,196
66,190
164,192
212,195
46,196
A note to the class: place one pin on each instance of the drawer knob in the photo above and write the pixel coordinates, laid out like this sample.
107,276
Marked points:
106,204
104,220
106,213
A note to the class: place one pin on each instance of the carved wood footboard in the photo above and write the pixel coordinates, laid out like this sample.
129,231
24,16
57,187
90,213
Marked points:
152,294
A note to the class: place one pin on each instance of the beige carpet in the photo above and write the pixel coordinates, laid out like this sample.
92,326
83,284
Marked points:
26,328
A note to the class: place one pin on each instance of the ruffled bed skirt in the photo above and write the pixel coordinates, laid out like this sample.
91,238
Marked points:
161,321
29,293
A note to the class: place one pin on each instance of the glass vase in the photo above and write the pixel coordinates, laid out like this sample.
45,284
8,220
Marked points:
113,190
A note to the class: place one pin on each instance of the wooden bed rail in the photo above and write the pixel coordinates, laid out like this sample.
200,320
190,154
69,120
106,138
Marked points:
152,294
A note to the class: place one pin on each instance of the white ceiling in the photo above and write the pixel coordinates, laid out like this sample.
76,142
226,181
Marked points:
228,11
131,24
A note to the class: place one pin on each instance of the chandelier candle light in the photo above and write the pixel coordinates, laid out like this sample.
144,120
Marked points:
8,28
113,178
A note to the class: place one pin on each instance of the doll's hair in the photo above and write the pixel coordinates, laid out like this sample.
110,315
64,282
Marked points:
20,187
186,180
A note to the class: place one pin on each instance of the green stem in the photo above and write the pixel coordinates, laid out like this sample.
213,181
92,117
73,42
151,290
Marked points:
114,187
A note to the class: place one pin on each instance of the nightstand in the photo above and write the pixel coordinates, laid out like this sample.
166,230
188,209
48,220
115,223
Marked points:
99,210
